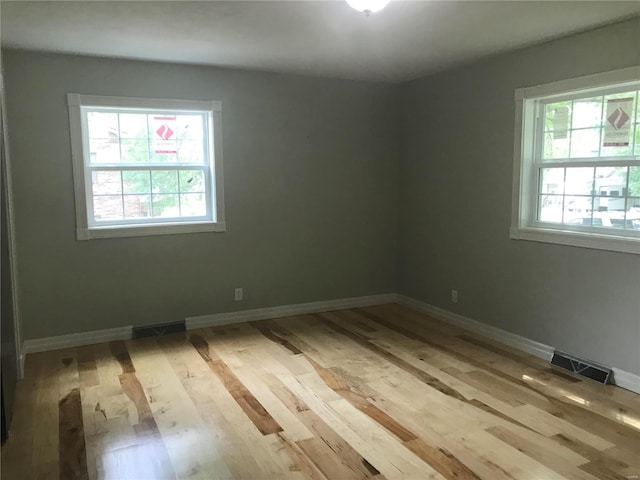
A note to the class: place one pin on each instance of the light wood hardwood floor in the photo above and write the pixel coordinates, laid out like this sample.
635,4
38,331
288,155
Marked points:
378,392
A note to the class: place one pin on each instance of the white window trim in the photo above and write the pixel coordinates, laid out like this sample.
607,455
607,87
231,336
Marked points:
83,230
522,225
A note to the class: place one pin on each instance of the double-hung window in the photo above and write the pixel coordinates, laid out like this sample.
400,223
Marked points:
146,166
577,162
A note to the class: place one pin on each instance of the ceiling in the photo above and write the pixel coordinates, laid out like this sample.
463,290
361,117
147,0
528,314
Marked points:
404,41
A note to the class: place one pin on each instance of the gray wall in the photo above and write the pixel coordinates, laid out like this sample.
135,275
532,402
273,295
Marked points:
320,176
456,204
310,187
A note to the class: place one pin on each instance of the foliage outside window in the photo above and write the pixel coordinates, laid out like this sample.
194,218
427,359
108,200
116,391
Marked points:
144,167
577,162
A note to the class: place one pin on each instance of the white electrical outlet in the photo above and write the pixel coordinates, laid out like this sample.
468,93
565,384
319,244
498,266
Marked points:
454,296
239,294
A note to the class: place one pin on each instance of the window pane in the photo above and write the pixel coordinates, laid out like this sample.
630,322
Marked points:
608,204
189,127
557,116
579,181
587,113
633,204
155,157
193,204
556,147
137,206
619,118
136,181
585,143
577,206
135,150
616,220
166,205
190,151
107,207
550,208
584,221
164,181
191,181
610,182
637,140
163,137
133,125
552,181
105,183
634,181
618,151
104,150
103,125
633,213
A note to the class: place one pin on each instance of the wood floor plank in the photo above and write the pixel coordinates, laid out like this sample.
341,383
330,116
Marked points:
145,424
176,427
251,406
379,392
201,384
73,455
558,394
563,461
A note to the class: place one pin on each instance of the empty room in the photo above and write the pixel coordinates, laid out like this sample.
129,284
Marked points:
326,240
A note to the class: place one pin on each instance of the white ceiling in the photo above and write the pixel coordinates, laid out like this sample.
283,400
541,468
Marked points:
406,40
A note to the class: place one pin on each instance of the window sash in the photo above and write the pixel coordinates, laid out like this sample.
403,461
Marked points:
539,134
539,162
207,134
528,161
208,193
206,167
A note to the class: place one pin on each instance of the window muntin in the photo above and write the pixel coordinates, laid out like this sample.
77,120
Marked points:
144,166
570,180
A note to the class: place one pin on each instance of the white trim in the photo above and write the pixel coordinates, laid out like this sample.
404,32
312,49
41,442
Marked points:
266,313
11,236
626,380
85,227
75,128
145,230
526,163
621,378
77,100
77,339
577,239
595,81
511,339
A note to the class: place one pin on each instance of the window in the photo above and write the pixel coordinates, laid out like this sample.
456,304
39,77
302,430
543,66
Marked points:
577,162
145,166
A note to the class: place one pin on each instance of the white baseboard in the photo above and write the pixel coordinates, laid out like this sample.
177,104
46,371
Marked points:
76,339
287,310
125,333
626,380
516,341
621,378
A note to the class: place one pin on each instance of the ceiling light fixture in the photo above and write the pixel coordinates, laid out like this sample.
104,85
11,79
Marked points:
368,6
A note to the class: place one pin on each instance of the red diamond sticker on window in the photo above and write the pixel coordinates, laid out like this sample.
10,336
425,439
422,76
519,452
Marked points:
618,118
164,132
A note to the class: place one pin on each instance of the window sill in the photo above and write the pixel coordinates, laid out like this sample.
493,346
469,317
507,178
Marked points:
148,229
577,239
